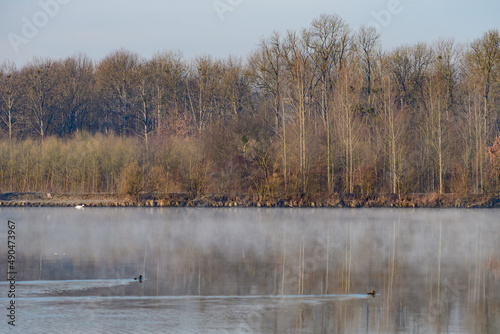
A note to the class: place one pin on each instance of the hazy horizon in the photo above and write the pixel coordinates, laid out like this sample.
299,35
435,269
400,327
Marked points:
63,28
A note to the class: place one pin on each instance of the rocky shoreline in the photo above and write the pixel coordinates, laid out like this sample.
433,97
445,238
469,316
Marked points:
184,200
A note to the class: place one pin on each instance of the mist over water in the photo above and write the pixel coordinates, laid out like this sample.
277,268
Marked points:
244,270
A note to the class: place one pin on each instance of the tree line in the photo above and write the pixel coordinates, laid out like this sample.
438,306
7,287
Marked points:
315,111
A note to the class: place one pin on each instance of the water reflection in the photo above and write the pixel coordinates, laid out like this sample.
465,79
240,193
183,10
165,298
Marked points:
261,270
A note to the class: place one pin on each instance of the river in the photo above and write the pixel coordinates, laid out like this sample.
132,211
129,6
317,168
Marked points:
248,270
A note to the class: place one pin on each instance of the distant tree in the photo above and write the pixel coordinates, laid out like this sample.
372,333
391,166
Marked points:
9,95
168,76
76,91
39,82
236,86
266,68
116,77
348,115
482,71
484,55
329,43
439,101
204,90
143,114
367,41
299,85
409,69
392,124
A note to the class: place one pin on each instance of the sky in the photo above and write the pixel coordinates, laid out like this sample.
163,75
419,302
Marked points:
58,29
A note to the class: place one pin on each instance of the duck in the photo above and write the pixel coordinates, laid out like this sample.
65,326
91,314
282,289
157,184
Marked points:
80,206
138,278
372,293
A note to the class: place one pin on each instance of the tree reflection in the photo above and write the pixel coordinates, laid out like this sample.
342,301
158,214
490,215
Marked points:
431,272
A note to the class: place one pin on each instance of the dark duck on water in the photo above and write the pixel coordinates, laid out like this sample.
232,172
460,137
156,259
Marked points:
138,278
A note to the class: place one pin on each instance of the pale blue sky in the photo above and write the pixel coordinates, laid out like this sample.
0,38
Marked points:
97,27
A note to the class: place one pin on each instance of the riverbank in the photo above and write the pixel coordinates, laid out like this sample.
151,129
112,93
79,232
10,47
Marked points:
184,200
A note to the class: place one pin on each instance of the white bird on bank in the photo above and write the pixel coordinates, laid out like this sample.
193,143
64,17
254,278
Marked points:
80,206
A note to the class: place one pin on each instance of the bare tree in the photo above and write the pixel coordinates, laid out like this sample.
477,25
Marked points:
409,68
299,93
168,73
75,93
116,77
203,86
266,70
235,85
439,101
482,67
39,83
392,122
367,40
348,117
485,57
9,94
144,110
329,43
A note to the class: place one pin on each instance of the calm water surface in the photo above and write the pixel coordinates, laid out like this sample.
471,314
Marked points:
252,270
